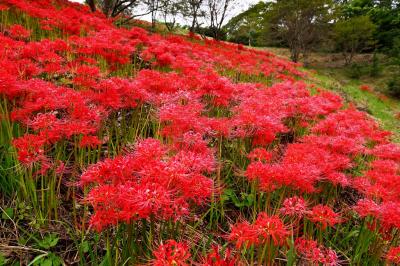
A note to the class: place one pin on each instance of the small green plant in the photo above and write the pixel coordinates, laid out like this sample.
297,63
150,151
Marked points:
393,87
355,71
3,260
48,241
375,67
49,259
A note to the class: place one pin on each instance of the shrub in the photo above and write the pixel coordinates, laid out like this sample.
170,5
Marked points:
355,71
375,67
393,87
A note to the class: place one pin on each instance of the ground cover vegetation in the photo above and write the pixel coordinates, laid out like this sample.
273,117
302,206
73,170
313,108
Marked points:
120,146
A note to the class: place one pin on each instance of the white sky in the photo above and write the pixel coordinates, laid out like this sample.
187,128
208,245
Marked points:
240,6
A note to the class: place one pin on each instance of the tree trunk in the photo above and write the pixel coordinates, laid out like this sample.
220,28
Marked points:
107,5
192,27
295,54
92,5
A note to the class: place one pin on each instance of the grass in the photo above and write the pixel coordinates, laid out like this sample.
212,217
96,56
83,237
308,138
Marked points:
384,109
328,71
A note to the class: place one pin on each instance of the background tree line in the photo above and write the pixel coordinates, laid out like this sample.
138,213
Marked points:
203,16
348,27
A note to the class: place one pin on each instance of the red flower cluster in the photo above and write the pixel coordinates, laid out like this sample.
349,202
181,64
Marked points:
148,183
316,254
297,207
302,167
265,230
219,258
365,87
294,207
393,255
324,216
171,253
18,32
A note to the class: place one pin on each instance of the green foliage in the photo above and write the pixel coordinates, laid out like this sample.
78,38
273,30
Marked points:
49,259
375,67
353,35
7,214
393,86
48,241
245,200
248,27
395,51
385,14
3,260
299,24
351,26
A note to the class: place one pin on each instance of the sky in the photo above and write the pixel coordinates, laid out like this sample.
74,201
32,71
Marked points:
240,6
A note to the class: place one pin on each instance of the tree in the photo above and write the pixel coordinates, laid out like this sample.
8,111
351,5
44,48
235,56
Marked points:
353,35
113,8
385,14
194,11
171,10
153,6
217,13
91,4
249,26
299,23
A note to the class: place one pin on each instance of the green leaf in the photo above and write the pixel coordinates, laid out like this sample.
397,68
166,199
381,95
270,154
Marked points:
246,200
49,259
291,254
85,246
7,214
3,260
49,241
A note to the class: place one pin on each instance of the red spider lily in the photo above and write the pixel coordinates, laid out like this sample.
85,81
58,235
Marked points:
294,207
393,255
90,141
352,124
148,183
271,226
171,253
324,216
365,87
302,167
86,76
382,180
219,258
30,148
366,207
3,7
314,253
263,231
389,151
260,154
19,32
308,248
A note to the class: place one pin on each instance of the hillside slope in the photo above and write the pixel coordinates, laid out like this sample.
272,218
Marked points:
119,146
366,92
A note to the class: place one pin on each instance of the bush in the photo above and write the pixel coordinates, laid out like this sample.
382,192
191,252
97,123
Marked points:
219,34
375,67
355,71
394,87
